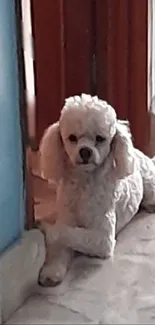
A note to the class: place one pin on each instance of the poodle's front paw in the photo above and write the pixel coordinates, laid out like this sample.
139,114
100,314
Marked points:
52,275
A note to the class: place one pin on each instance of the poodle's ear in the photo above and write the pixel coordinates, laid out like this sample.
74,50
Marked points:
123,150
52,156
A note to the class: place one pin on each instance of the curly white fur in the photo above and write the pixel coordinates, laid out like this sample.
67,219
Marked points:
99,189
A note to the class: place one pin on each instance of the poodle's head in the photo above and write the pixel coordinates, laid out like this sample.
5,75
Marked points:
86,133
87,127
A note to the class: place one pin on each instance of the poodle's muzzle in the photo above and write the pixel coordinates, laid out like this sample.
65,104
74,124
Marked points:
85,154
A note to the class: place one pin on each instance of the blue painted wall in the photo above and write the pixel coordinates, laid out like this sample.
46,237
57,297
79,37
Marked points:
11,180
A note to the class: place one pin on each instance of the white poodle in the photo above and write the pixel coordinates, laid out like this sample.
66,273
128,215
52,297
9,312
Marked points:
101,182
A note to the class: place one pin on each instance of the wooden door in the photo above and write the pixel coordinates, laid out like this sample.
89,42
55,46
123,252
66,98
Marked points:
121,33
92,46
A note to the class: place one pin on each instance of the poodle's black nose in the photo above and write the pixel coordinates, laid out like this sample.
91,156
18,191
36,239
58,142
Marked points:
85,154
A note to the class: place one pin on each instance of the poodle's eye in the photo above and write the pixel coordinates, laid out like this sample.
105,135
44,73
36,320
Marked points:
99,139
72,138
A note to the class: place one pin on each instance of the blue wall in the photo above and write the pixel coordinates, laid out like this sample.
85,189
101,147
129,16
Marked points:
11,180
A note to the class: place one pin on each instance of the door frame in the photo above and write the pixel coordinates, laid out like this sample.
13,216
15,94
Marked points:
26,140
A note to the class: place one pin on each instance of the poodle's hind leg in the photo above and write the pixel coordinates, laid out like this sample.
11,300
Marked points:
56,265
148,202
150,208
148,176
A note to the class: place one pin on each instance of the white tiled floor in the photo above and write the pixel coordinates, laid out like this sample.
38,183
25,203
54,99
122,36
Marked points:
38,310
